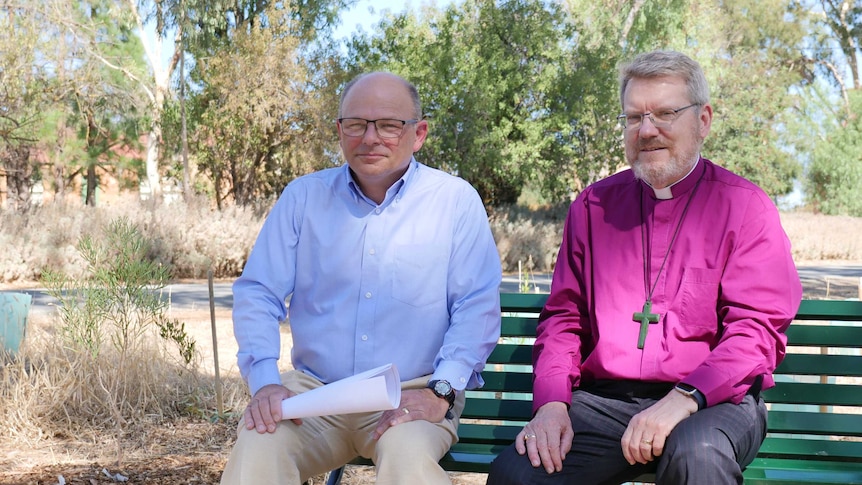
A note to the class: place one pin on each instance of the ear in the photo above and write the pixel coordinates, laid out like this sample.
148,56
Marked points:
705,120
421,134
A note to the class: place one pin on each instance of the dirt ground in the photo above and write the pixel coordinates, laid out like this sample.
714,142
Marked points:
189,451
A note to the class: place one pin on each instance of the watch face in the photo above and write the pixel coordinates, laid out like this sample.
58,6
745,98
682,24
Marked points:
442,388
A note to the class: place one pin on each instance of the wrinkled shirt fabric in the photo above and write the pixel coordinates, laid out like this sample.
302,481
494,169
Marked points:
413,281
727,292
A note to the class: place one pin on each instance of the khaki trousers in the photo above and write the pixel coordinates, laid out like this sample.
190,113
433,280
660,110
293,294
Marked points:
407,453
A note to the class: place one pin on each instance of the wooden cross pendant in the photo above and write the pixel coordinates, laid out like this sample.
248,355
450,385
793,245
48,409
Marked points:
645,317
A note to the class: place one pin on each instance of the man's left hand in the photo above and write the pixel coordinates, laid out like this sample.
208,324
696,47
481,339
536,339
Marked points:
415,404
647,432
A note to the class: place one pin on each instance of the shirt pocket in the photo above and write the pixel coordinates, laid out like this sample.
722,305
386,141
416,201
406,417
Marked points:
698,303
419,274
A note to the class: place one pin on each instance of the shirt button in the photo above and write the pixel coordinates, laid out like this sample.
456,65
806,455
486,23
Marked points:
371,251
368,295
365,337
462,380
377,211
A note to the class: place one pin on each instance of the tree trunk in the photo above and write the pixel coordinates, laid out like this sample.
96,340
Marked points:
16,162
92,185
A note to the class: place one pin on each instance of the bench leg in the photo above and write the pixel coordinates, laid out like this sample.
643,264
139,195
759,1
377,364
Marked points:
335,476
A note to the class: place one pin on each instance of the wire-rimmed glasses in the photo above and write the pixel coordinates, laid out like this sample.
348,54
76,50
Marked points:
660,119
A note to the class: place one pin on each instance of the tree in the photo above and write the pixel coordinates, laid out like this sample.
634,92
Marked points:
266,108
22,92
491,84
834,181
751,55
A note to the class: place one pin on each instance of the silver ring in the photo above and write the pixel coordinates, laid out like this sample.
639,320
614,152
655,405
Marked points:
406,411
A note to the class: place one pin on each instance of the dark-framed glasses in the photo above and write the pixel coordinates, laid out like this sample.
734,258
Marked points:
386,128
660,119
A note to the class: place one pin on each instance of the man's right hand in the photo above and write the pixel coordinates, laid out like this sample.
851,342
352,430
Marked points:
547,438
264,411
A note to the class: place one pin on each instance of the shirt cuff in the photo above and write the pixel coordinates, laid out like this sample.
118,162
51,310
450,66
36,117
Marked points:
261,374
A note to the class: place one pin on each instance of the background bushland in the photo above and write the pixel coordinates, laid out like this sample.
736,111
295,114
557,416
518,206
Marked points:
192,238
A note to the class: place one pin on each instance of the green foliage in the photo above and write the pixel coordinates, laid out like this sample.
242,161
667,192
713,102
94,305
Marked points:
119,301
260,120
491,84
834,184
750,52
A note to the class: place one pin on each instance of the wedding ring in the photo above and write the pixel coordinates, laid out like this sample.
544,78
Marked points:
406,411
647,442
528,437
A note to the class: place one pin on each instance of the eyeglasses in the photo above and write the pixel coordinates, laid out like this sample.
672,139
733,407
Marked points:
385,128
659,119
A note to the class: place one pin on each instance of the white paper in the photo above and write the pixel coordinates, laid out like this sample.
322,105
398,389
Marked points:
374,390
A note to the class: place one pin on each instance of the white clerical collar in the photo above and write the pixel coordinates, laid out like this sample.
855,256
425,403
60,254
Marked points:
666,193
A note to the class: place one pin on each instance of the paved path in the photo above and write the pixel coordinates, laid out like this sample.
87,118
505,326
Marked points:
840,280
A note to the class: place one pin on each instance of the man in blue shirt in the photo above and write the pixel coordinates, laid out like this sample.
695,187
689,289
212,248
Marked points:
386,261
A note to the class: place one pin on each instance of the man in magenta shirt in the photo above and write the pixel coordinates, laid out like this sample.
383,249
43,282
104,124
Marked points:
673,287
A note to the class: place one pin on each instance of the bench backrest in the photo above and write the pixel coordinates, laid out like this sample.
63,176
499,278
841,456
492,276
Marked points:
818,393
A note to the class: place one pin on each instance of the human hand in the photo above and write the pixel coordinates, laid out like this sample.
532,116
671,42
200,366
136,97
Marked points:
547,438
647,432
264,411
415,404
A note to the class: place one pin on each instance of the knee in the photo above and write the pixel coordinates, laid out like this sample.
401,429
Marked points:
706,456
508,468
410,442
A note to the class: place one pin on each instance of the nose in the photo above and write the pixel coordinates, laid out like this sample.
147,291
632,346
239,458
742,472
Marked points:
371,137
647,128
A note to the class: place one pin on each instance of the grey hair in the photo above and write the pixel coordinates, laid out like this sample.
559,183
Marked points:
411,90
667,63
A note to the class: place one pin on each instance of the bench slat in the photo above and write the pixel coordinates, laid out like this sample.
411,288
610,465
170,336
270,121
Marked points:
507,382
519,326
815,393
512,354
832,450
838,310
801,422
500,409
798,471
825,335
821,365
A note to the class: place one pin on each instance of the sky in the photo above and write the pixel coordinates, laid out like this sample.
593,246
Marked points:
366,13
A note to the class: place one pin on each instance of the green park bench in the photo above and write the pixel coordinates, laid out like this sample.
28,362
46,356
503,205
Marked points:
815,416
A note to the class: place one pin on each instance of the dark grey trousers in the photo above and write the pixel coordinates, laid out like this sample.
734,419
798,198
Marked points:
712,446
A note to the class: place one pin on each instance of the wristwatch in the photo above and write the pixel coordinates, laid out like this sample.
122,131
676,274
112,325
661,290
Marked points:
693,392
444,390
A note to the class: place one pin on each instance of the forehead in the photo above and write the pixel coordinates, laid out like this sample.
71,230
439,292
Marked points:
377,96
655,91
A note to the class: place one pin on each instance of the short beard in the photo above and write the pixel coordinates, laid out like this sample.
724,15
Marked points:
660,176
663,175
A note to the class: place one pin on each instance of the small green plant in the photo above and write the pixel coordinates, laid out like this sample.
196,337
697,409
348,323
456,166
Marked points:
525,280
117,301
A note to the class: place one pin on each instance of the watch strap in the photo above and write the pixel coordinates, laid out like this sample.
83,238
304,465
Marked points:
448,397
692,391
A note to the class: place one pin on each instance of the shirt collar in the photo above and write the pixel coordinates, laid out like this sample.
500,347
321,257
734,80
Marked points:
395,192
681,186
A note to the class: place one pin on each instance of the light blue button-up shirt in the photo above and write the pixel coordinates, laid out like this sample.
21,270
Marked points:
412,281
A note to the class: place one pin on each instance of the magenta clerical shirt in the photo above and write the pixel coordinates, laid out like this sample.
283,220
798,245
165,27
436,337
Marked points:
727,292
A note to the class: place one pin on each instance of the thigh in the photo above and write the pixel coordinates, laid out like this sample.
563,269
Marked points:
596,456
724,437
320,443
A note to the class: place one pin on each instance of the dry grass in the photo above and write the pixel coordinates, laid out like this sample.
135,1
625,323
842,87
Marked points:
153,419
194,238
